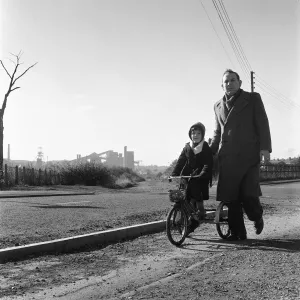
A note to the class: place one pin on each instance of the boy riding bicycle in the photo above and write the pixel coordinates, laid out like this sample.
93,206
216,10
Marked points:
196,159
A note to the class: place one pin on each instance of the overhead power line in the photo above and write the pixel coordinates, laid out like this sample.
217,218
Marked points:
235,35
279,104
277,95
232,37
216,32
280,100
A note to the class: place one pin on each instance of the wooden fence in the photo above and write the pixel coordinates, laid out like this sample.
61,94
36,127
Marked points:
279,172
30,176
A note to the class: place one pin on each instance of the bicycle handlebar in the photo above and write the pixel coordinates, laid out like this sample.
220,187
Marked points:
182,176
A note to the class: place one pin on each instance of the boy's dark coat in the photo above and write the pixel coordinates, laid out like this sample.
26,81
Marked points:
188,162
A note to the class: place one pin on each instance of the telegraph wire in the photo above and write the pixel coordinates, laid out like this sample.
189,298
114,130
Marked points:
281,100
235,35
231,40
274,96
237,54
280,95
276,106
216,32
241,56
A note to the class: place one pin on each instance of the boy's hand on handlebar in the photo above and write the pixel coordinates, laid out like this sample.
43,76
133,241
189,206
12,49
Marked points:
170,179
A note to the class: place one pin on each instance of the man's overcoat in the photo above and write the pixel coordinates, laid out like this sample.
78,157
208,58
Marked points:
238,138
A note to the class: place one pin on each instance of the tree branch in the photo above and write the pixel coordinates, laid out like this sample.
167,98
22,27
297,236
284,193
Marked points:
23,72
13,75
15,88
5,69
12,80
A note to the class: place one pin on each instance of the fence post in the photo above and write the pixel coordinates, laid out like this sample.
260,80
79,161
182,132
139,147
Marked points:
24,175
46,179
40,177
6,175
17,175
32,176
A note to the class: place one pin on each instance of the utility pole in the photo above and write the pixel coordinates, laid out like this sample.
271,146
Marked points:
252,81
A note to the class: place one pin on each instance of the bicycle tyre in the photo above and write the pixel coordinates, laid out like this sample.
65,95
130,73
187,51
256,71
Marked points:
176,225
222,221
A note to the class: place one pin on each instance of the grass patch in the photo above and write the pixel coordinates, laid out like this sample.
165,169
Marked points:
87,173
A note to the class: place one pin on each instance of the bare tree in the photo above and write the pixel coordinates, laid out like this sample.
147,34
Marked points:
11,87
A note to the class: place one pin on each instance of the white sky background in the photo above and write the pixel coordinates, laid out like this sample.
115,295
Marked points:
115,73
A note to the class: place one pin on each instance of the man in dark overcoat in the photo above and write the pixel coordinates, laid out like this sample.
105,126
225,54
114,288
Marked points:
241,137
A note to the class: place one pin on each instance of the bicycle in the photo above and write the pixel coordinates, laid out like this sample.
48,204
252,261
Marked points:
182,213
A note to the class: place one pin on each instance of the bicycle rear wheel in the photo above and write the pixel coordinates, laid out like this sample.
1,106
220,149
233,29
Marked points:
222,220
176,225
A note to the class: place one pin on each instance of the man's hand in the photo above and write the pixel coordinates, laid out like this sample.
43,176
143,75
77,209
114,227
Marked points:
265,154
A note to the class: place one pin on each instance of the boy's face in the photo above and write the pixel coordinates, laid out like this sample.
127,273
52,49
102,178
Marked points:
196,136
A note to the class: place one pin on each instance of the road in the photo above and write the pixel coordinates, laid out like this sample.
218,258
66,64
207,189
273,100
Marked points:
206,267
38,219
73,211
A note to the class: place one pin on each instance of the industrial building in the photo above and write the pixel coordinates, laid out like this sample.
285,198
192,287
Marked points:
111,158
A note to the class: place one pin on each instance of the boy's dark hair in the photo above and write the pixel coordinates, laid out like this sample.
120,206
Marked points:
231,72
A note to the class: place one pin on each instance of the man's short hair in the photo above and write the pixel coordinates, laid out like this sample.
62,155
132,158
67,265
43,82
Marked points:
232,72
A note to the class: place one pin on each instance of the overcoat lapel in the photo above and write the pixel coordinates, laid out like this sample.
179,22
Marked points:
222,111
240,103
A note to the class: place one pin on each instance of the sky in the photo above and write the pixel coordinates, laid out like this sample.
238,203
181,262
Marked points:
139,73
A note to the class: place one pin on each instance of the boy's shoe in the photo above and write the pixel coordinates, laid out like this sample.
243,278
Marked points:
259,225
201,215
232,237
243,235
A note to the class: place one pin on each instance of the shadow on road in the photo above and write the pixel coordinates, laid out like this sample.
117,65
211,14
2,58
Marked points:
285,245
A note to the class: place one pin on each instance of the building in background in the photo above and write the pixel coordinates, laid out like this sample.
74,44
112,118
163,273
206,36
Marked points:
39,158
111,158
128,161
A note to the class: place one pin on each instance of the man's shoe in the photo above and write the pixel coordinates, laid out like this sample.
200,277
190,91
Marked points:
243,237
259,226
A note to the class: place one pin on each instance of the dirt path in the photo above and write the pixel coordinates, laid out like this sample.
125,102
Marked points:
205,267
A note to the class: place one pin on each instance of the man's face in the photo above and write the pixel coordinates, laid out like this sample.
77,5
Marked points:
231,84
196,136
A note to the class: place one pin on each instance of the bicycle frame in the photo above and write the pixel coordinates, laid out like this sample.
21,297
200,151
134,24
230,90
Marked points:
178,228
185,204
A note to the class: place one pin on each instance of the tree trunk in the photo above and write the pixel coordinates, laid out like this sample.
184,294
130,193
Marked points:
1,152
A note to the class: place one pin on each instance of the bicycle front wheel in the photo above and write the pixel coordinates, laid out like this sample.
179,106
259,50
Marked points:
222,220
176,226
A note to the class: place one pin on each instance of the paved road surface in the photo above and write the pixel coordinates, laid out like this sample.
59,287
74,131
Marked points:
47,218
263,267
